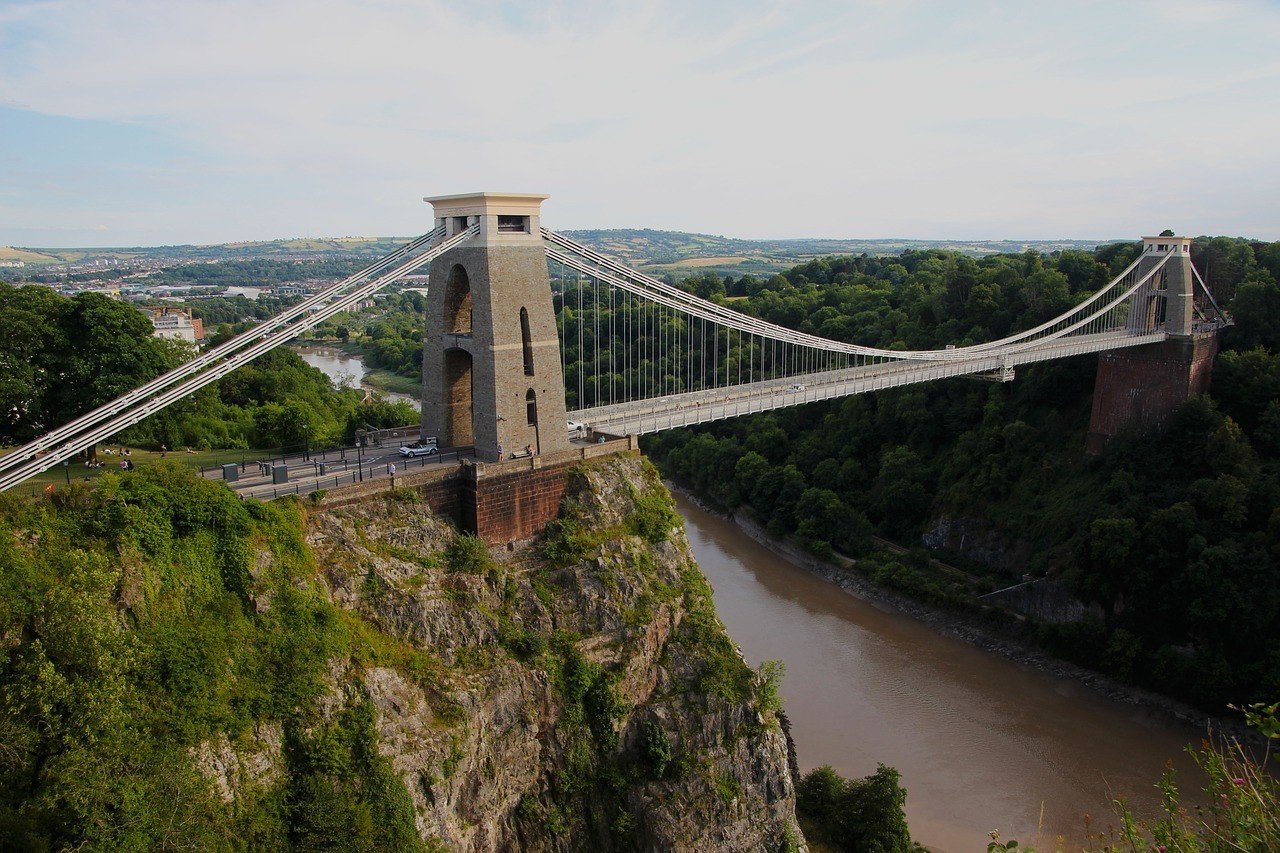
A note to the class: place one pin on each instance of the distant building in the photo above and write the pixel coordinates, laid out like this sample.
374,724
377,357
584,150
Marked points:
14,264
174,323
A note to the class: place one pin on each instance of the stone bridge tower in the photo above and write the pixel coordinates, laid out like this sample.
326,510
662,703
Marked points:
491,372
1140,387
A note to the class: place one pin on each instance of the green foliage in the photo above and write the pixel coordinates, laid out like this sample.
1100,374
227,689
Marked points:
590,698
654,515
863,815
341,787
1174,536
723,673
139,628
655,749
62,356
769,685
466,553
566,540
392,340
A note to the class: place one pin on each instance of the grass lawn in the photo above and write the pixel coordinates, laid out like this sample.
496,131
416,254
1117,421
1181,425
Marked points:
77,471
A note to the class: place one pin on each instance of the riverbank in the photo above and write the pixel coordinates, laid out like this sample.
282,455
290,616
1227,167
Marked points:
970,630
392,383
345,363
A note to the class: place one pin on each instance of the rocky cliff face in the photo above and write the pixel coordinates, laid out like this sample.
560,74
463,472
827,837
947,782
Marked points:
568,694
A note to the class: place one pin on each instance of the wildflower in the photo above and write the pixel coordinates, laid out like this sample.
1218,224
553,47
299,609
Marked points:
1239,782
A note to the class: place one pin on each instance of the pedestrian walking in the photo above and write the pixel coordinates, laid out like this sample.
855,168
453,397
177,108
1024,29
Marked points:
391,469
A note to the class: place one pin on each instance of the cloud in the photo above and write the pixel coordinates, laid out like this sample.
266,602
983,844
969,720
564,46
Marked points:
756,119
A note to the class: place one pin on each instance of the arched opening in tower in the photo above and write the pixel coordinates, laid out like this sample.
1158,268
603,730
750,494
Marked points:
527,340
457,301
459,426
531,408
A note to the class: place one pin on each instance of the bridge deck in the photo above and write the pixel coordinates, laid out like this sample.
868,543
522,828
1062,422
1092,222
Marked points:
641,417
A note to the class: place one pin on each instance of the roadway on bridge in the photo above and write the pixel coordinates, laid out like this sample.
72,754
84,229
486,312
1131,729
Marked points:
331,468
641,417
335,467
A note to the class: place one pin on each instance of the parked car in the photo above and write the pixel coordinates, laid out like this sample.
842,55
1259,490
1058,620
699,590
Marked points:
576,428
419,448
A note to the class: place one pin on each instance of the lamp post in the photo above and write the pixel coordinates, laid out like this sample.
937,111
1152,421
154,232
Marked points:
306,443
66,469
360,456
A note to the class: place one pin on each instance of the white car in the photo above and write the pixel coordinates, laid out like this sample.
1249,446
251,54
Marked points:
419,449
797,388
576,428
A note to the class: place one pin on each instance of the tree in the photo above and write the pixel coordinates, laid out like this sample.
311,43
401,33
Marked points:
1256,309
61,357
863,815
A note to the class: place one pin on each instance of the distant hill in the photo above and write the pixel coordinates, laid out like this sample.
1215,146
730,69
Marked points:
678,252
674,252
298,248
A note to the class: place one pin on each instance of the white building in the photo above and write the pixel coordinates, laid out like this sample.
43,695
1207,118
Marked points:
175,323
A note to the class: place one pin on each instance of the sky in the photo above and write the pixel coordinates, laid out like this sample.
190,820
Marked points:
127,122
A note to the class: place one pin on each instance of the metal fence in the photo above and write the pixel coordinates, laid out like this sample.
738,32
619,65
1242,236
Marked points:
347,477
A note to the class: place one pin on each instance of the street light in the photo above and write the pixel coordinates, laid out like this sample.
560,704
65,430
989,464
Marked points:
306,446
360,456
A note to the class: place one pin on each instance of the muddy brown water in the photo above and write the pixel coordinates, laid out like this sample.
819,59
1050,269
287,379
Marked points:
344,368
982,742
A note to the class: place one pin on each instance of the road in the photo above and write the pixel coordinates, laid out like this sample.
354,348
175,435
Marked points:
331,468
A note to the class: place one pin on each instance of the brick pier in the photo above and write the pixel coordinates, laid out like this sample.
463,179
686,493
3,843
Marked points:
1140,387
498,501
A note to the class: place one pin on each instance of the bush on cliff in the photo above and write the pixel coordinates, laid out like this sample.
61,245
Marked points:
862,815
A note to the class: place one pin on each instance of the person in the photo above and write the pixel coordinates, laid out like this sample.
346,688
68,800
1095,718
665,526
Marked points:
391,469
164,451
124,464
499,451
528,449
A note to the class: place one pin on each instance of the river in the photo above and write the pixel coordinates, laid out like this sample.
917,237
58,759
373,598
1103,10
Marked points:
982,742
344,367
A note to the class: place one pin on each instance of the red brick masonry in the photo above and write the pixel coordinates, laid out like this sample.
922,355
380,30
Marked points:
498,501
1140,387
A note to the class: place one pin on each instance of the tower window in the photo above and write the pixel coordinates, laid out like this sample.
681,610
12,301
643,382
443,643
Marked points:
527,341
513,224
531,408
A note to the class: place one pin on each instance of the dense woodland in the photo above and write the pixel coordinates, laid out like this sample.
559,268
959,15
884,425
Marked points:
1174,536
60,357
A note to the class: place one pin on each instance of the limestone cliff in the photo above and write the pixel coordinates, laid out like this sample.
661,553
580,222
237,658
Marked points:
572,693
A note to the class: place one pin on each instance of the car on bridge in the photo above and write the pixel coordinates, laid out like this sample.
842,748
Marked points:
419,448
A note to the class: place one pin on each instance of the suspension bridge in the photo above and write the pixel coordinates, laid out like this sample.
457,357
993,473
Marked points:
526,328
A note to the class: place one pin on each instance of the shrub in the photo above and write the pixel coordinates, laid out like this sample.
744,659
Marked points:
655,749
466,553
856,814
